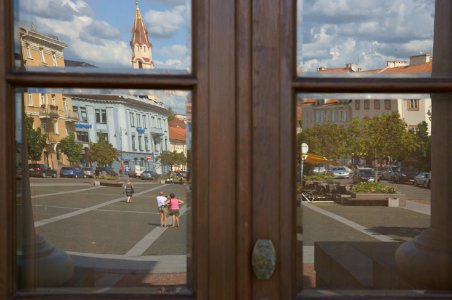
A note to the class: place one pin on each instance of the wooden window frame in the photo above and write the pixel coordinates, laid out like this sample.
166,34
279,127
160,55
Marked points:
243,153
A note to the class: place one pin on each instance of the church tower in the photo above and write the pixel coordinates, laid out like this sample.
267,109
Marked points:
140,44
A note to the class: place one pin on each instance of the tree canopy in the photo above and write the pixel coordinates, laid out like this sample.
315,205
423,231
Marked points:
103,153
379,138
71,148
171,159
36,140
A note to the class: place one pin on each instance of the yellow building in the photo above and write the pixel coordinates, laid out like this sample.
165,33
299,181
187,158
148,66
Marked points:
52,112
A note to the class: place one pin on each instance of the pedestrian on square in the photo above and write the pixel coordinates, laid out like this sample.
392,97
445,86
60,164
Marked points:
174,209
128,189
163,209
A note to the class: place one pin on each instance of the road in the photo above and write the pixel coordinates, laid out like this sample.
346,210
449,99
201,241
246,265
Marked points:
99,230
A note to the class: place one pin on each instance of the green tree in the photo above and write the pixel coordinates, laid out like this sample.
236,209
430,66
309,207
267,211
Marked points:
71,148
422,155
387,136
171,114
103,153
325,139
171,159
36,141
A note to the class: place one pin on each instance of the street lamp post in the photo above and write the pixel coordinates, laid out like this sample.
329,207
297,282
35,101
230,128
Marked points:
304,154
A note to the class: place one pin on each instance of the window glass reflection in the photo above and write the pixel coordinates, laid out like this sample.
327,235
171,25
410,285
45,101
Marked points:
93,168
365,189
146,36
365,38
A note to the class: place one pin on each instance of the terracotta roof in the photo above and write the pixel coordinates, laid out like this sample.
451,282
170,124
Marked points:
421,68
176,123
139,30
334,70
177,134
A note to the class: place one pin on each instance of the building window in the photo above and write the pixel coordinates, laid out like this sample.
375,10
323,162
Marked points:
146,143
43,58
388,104
132,119
153,121
83,136
160,123
101,116
366,104
42,99
377,104
145,125
28,52
30,99
138,120
413,104
357,104
83,114
134,145
44,126
53,99
54,60
140,144
64,105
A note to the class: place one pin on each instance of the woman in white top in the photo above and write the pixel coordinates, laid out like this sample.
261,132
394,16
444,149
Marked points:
163,209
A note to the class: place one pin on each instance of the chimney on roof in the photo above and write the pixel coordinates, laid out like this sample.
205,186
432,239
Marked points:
420,59
352,67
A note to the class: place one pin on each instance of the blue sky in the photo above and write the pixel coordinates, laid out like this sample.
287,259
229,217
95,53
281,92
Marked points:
99,31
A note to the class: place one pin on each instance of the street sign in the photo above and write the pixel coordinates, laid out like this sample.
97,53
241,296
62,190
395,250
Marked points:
149,157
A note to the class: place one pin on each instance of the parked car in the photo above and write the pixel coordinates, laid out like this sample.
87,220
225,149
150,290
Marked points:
319,170
423,179
363,174
104,171
72,172
339,172
404,174
148,175
136,171
41,170
88,172
388,172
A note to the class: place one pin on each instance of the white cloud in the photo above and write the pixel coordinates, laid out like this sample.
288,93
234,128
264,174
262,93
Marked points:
79,35
168,22
366,32
174,57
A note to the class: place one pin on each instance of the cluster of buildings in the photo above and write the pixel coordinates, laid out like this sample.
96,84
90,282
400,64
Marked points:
413,110
136,125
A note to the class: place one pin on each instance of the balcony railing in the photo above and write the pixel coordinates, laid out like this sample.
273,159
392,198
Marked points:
49,111
53,137
71,115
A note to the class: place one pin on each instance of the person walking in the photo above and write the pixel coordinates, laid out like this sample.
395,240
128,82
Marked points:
128,189
163,209
174,209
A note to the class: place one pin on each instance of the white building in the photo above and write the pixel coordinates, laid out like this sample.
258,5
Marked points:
413,109
137,126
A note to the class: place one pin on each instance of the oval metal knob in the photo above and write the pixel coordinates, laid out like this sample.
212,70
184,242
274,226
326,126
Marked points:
263,259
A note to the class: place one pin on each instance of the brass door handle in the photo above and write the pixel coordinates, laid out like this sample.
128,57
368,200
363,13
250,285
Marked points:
263,259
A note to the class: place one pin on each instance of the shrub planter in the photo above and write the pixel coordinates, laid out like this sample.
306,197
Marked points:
377,199
111,183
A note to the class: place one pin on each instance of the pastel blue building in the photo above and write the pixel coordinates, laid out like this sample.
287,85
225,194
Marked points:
137,126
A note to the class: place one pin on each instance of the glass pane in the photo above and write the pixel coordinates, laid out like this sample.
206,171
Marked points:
147,36
365,38
105,190
366,163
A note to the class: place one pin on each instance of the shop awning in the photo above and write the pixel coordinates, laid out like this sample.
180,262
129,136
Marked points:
317,159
